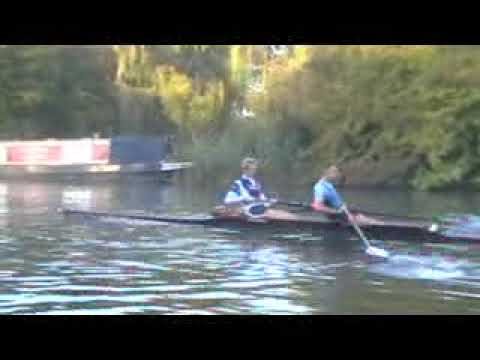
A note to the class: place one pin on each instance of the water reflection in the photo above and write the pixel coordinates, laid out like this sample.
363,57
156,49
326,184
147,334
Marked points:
77,198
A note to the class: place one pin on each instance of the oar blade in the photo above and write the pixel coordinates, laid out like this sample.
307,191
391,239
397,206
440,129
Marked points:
377,252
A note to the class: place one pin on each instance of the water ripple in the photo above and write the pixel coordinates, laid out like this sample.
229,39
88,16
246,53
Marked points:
51,265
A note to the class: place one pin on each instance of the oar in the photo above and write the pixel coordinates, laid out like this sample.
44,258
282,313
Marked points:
372,251
364,212
309,207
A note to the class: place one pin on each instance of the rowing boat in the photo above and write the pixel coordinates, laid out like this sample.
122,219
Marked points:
385,229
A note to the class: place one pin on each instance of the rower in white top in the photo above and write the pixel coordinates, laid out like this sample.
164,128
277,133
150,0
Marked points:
246,195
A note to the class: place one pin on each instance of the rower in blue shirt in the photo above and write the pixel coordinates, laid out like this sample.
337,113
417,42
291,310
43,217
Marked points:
329,202
326,197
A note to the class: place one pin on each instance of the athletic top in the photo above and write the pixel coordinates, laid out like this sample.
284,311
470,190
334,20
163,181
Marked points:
326,194
245,190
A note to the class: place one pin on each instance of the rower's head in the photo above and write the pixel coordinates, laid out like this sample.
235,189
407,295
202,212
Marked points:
333,175
250,166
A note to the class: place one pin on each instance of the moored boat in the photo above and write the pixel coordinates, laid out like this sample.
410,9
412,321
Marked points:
87,158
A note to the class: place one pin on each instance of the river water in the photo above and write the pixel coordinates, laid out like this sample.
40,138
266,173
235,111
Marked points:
54,265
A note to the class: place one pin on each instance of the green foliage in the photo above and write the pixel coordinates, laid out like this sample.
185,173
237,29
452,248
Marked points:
358,105
220,155
372,103
191,81
50,91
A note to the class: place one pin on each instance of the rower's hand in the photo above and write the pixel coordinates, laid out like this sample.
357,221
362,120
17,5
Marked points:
354,209
344,210
351,218
272,201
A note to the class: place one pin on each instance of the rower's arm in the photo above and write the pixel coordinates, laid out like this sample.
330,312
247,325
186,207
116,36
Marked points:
236,196
233,199
321,207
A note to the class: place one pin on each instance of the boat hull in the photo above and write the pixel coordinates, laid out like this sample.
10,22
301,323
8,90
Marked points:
414,232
